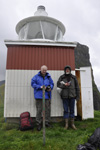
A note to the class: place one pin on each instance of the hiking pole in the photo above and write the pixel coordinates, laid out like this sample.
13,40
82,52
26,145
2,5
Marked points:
43,114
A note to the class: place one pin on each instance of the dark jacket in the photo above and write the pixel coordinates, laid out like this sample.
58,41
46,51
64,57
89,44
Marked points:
37,81
71,91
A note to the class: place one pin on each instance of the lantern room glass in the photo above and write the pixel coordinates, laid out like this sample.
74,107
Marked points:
40,30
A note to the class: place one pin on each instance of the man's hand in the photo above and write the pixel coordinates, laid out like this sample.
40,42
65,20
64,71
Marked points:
42,87
67,84
46,89
49,90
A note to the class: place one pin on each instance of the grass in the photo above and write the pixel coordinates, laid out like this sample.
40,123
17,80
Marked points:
57,138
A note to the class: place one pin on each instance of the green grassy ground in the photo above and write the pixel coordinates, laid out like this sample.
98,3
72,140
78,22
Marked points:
57,138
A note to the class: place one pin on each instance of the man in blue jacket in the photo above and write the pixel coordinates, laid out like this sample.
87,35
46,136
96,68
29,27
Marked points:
37,82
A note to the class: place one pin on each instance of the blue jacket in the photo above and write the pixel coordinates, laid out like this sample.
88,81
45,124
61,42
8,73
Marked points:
37,81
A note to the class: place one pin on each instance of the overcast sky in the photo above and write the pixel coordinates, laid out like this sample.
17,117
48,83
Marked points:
80,17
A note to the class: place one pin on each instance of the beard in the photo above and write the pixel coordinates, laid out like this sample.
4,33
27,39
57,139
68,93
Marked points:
67,73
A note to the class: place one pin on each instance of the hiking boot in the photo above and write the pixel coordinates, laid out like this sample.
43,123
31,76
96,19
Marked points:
39,127
72,124
66,123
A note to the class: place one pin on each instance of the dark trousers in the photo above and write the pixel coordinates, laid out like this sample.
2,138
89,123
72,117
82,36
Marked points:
68,105
39,107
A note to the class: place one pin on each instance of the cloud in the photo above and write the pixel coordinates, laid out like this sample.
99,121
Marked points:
80,17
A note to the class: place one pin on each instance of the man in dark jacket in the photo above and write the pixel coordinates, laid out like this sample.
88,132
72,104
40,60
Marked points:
69,92
41,79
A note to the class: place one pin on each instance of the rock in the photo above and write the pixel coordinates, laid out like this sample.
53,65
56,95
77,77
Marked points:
82,59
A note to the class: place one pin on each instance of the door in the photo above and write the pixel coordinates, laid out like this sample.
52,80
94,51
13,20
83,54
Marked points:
85,107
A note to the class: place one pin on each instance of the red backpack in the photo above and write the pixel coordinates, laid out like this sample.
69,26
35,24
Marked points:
26,121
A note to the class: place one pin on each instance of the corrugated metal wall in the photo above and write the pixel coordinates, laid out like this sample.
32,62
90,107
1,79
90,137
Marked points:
23,62
19,95
32,57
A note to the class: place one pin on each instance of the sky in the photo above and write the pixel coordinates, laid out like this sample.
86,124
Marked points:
80,17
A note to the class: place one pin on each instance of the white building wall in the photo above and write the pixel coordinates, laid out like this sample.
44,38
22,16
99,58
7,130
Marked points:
19,95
